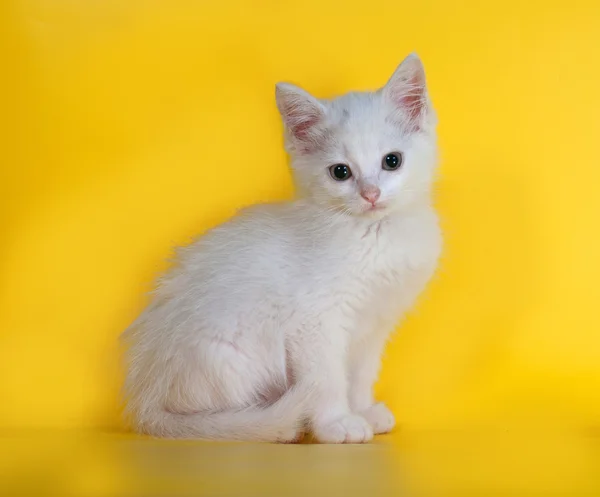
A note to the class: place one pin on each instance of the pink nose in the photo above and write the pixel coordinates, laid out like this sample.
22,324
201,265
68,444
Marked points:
370,194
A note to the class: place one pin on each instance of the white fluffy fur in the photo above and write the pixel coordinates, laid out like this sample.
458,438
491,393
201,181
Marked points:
275,321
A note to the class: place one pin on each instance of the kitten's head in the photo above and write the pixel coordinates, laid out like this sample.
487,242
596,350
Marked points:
367,154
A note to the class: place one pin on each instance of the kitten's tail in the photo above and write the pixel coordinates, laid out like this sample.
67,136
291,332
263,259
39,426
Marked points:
282,421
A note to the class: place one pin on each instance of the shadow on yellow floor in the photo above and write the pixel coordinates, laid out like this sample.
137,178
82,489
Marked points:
477,462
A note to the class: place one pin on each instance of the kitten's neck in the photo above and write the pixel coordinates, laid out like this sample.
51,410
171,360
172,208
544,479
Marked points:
330,216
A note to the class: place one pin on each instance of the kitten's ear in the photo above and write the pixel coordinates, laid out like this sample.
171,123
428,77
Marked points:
407,90
302,114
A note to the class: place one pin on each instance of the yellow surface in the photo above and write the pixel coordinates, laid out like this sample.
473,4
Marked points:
511,462
128,126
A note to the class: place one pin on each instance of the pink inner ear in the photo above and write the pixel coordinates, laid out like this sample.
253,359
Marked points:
302,115
301,129
412,97
302,122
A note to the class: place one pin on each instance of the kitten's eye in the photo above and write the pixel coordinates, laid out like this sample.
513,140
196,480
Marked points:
340,172
392,161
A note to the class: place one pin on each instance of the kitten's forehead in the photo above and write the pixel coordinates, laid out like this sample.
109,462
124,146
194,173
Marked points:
360,125
355,107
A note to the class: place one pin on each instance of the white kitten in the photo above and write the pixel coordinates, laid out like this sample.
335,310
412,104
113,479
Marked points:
279,317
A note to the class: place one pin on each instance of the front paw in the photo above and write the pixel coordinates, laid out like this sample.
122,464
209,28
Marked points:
380,418
350,428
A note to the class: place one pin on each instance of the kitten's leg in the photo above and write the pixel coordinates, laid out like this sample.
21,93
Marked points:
321,362
364,368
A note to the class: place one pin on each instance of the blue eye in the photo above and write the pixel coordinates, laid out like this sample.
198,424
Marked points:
392,161
340,172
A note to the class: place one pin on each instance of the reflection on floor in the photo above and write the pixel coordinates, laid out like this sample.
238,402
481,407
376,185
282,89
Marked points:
483,462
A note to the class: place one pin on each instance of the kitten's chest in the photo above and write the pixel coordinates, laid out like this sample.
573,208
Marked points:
390,267
390,254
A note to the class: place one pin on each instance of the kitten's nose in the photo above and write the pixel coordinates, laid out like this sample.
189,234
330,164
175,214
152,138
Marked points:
370,193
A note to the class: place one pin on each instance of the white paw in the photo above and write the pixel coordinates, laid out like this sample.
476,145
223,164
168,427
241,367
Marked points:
380,418
350,428
291,437
290,434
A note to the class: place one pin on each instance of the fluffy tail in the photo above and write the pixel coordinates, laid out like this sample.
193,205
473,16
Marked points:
282,421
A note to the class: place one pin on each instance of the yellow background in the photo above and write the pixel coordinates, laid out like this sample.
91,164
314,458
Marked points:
127,127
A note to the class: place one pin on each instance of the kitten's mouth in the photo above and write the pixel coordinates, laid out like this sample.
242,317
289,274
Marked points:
373,208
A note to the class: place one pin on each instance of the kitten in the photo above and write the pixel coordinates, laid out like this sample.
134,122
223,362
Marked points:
275,321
